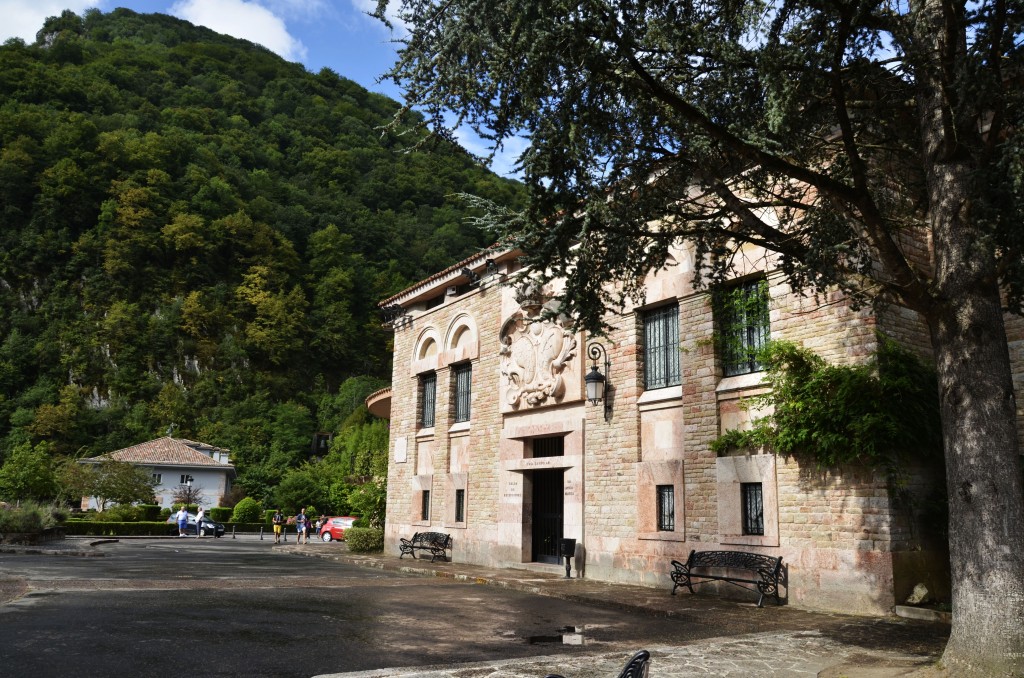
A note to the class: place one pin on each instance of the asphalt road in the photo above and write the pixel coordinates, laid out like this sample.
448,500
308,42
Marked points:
236,608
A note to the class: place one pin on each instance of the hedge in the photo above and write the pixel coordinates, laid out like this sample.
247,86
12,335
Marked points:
221,514
96,528
364,540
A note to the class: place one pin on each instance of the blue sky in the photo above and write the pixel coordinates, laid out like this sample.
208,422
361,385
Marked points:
337,34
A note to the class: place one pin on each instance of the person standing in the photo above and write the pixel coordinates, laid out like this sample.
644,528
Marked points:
278,521
182,518
199,522
302,527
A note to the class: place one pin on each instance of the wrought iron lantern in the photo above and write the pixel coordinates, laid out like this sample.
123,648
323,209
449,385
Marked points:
597,383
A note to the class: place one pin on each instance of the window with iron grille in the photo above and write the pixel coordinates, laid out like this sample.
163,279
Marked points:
548,447
742,314
463,375
666,508
428,398
661,347
158,478
753,508
460,506
425,505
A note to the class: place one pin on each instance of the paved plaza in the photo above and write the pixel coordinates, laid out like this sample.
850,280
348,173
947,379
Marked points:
702,635
771,641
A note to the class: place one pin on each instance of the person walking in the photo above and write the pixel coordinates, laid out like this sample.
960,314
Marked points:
199,522
278,521
182,518
302,527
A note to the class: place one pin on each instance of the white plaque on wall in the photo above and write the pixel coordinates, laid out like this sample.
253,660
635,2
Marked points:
401,450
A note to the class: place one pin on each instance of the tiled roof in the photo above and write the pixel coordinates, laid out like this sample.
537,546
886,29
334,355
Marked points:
166,451
453,271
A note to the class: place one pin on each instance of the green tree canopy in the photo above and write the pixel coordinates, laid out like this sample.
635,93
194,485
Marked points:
197,232
868,145
28,474
120,482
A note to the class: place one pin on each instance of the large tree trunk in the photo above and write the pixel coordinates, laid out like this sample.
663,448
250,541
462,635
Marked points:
983,474
964,315
983,465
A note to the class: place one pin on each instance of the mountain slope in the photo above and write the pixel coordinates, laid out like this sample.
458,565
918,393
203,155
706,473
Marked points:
194,231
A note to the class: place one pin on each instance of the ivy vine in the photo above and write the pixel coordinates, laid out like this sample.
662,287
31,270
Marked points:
879,414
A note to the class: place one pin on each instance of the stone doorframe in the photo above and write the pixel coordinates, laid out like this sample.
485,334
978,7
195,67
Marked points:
515,534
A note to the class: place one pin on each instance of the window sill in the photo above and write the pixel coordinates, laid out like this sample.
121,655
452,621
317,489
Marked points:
662,536
751,540
740,381
459,427
425,433
660,395
421,523
455,526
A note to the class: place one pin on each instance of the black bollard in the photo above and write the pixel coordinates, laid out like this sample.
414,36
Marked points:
567,548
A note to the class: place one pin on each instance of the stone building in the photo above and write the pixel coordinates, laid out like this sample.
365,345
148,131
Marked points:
494,442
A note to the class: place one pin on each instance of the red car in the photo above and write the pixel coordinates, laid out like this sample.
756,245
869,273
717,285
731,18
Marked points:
334,528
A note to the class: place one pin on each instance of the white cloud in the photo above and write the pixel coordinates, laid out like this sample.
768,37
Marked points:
246,20
299,9
504,161
23,18
365,7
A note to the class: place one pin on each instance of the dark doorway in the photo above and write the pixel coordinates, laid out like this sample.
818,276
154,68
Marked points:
548,498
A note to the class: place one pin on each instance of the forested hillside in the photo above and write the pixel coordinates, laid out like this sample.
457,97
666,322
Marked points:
196,232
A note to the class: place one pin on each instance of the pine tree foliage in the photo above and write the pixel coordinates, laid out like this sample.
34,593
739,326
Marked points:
722,124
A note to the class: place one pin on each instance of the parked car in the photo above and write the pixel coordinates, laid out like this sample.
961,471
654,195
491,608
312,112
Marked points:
334,527
207,526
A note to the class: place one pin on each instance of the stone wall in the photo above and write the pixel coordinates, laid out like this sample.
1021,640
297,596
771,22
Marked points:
847,540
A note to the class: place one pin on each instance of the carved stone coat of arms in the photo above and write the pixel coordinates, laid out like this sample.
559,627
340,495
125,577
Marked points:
533,357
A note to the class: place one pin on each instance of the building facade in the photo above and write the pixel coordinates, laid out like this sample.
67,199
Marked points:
494,441
173,462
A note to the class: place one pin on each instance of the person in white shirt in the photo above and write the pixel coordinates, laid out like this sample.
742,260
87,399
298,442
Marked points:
199,525
182,518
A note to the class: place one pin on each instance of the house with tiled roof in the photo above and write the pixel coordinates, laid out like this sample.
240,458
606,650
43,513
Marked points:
174,462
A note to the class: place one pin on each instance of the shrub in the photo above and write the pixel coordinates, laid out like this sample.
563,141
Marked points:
221,514
149,512
165,513
120,514
369,501
248,510
30,517
364,540
268,515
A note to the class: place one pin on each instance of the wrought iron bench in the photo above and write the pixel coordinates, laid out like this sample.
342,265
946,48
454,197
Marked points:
437,543
767,570
635,668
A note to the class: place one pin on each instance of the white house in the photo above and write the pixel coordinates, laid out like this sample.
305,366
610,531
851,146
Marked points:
174,462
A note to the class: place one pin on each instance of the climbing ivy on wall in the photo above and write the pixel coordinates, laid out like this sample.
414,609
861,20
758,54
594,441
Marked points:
879,414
